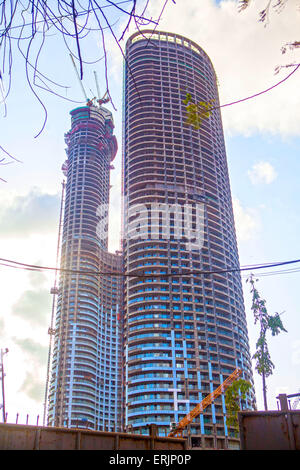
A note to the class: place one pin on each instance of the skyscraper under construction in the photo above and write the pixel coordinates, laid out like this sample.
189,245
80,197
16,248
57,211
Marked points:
85,384
184,328
147,347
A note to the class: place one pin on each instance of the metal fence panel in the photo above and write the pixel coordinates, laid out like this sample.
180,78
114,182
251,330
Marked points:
270,430
26,437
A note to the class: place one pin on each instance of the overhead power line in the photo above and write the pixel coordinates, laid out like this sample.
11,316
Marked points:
276,273
261,92
32,267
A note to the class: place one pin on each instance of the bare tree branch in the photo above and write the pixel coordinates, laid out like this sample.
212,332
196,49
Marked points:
25,28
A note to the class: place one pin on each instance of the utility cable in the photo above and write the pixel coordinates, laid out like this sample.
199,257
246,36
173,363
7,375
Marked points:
17,264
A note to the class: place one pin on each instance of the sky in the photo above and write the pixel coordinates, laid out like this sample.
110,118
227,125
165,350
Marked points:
262,137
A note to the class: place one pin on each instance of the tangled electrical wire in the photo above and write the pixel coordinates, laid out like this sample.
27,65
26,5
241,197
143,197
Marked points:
25,28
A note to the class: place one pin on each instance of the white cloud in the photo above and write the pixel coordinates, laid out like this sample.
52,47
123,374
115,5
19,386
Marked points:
25,314
247,221
33,306
262,172
244,54
35,212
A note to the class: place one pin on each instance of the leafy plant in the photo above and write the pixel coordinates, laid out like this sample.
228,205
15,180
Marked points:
233,396
272,323
196,112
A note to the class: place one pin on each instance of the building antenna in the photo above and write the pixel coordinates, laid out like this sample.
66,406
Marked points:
54,291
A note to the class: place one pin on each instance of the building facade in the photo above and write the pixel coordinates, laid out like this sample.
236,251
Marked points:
184,329
85,386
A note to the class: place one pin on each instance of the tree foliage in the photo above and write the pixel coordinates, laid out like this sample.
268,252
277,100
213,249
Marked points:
233,397
196,112
268,323
26,28
264,14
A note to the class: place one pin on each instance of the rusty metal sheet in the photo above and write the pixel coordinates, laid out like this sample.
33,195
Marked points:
98,442
127,443
12,440
26,437
270,430
160,444
54,439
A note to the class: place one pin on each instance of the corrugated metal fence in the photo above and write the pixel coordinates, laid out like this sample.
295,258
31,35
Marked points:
270,430
24,437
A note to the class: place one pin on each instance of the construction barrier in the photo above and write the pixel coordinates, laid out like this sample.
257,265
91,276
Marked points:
26,437
270,430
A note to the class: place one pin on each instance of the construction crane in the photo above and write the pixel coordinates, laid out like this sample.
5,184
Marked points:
105,98
79,80
178,430
90,102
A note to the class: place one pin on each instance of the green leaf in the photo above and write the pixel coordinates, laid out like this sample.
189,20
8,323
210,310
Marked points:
234,394
196,112
272,323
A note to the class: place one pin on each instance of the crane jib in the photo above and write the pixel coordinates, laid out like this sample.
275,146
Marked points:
204,403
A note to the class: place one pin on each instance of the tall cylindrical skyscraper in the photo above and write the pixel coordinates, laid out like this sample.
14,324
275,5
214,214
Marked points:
184,333
85,387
